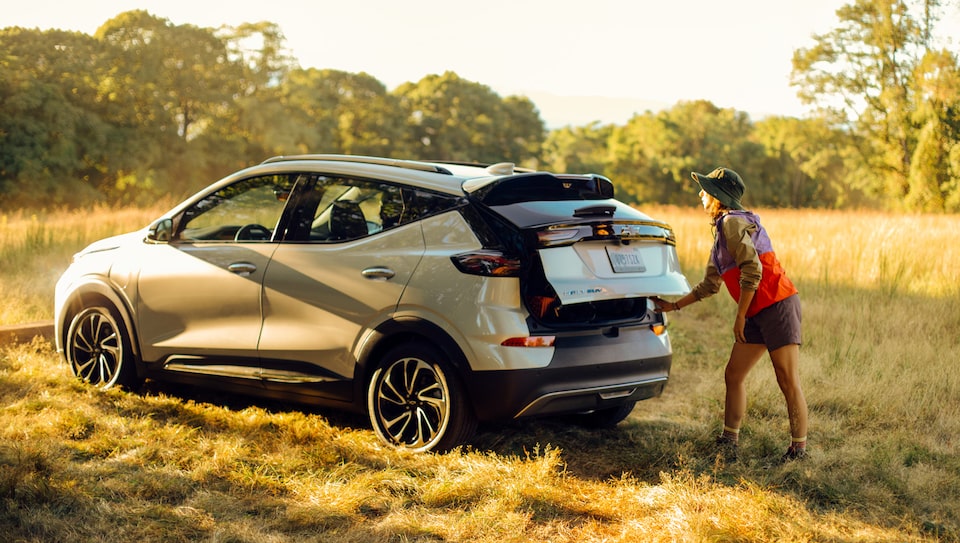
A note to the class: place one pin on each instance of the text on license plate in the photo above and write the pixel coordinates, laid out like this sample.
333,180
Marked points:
626,259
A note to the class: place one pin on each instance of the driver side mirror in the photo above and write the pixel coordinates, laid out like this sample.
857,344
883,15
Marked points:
160,231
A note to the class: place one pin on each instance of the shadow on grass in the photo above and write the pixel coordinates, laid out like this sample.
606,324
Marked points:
637,448
237,402
643,447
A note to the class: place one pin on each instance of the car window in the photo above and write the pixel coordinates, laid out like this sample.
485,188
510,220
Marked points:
544,187
422,203
335,209
246,212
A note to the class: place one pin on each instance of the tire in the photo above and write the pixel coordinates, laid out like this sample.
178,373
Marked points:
606,418
416,401
97,348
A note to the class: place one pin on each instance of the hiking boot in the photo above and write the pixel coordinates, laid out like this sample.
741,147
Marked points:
793,454
727,449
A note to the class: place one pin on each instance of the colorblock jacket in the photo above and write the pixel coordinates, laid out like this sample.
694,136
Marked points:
742,258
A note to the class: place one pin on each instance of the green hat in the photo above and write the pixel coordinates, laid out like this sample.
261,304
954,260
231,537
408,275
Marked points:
723,184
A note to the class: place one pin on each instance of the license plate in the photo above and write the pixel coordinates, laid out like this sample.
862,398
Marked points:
625,259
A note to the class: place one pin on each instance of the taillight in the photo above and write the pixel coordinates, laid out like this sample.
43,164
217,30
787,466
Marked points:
487,263
530,341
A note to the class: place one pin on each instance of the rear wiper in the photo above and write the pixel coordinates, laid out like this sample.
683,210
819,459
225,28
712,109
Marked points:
592,211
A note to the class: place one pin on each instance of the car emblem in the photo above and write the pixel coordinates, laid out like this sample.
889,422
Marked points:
582,291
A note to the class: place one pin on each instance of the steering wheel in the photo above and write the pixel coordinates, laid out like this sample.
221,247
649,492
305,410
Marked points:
253,232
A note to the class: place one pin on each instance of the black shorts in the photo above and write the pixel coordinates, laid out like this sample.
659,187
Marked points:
775,326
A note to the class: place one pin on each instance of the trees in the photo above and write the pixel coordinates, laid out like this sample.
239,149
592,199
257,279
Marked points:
165,86
805,157
170,77
450,118
581,149
653,154
934,176
877,76
51,133
145,107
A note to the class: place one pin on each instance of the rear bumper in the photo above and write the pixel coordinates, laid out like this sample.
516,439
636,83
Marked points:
584,375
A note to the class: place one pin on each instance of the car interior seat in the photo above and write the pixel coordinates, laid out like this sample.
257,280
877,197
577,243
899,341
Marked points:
347,221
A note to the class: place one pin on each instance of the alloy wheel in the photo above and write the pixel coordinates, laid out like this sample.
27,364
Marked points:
410,403
95,347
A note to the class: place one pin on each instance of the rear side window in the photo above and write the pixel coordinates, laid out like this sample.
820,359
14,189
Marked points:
422,203
332,209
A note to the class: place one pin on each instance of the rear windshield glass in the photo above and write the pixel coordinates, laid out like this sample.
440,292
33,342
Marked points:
542,187
544,212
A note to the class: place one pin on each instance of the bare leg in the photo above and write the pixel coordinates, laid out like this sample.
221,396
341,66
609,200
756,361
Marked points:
743,357
786,364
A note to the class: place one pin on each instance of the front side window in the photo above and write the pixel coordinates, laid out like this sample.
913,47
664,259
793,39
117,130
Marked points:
246,211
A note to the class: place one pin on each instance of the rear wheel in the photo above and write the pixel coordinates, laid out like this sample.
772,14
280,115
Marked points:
416,401
97,348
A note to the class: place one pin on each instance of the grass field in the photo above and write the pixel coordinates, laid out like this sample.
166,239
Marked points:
881,302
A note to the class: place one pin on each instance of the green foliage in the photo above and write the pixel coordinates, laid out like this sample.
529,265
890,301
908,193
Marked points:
146,108
450,118
692,136
879,77
580,149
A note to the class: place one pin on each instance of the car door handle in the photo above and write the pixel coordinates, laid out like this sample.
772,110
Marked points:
378,273
242,268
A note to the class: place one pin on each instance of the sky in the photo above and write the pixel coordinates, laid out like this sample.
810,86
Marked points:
578,61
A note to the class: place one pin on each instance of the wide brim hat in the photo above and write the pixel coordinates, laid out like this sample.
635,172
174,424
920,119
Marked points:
723,184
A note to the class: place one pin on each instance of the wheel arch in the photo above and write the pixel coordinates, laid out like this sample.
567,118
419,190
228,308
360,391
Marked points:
86,297
402,330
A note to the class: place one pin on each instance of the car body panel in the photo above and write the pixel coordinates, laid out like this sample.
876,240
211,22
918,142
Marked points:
488,309
588,371
191,303
584,271
318,298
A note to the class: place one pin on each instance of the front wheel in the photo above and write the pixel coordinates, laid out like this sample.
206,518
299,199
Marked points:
97,349
416,401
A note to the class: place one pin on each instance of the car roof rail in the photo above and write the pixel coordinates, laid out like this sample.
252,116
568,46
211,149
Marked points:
500,168
408,164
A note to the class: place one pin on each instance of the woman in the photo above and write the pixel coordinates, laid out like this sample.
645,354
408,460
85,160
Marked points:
768,307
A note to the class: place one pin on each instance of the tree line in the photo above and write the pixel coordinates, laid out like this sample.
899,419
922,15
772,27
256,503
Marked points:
144,109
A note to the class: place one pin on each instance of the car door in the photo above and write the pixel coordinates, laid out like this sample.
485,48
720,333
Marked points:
340,272
199,299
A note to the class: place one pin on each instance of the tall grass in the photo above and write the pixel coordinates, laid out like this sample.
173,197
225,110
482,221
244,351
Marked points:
881,303
881,339
36,247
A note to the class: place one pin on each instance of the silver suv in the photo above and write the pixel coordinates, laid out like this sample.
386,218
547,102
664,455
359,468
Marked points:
429,295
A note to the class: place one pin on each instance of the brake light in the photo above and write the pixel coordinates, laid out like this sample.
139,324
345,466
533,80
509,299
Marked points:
530,341
487,263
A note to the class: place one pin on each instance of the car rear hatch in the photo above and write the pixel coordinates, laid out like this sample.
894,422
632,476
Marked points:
599,259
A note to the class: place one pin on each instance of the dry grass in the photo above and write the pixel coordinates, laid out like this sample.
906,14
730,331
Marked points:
881,325
35,248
